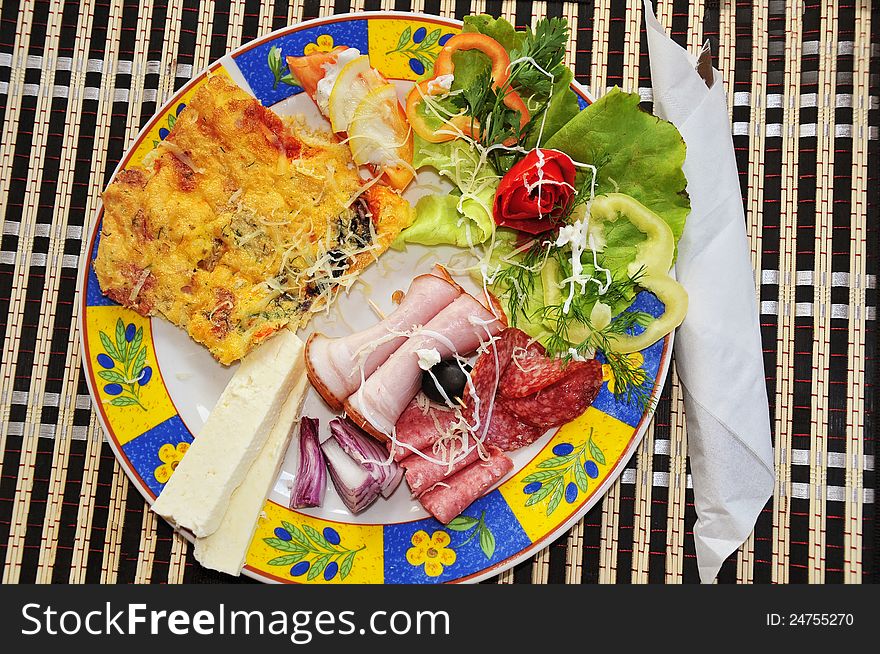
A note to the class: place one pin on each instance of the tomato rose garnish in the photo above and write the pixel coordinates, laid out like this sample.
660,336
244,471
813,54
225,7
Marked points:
535,192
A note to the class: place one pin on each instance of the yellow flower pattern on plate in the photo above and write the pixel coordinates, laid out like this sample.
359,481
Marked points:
636,358
433,551
323,43
170,456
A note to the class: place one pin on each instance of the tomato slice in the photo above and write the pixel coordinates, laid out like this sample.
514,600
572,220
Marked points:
309,69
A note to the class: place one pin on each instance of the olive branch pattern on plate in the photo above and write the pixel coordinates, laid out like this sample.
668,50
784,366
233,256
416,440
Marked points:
170,121
278,68
576,464
477,526
311,552
124,363
421,47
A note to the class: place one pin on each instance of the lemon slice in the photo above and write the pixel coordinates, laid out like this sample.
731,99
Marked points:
352,84
378,133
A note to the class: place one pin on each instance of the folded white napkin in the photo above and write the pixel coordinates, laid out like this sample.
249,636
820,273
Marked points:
718,347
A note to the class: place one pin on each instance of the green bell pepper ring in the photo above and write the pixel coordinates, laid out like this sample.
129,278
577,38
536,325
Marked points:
653,260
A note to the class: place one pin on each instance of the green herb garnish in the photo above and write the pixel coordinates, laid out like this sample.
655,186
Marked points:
536,63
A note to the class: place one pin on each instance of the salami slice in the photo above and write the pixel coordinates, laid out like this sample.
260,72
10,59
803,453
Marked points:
447,500
509,432
530,371
561,401
487,373
419,428
422,475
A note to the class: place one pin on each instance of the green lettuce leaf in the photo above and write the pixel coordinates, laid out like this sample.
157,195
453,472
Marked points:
470,65
438,218
497,28
621,239
634,153
562,108
439,222
436,155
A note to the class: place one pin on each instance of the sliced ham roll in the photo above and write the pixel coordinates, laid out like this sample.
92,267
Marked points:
334,364
448,499
458,328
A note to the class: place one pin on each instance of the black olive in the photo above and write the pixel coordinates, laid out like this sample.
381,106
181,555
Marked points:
450,377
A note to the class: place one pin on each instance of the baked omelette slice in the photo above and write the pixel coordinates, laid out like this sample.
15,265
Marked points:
240,224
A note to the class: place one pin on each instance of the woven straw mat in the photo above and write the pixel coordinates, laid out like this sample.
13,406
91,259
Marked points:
78,79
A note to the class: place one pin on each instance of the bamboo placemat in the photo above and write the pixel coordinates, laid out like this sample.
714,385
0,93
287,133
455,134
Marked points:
78,79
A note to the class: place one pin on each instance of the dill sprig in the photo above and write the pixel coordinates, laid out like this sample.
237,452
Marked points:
631,385
582,195
518,280
518,283
579,312
622,290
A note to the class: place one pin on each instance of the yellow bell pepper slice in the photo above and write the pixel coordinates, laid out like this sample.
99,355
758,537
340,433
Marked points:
653,260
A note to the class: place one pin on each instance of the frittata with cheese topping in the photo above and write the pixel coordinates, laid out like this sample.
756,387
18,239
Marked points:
240,224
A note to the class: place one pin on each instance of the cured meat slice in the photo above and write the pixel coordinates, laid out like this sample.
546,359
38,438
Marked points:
500,427
420,428
458,328
530,370
509,432
488,371
456,493
560,402
518,392
422,475
334,365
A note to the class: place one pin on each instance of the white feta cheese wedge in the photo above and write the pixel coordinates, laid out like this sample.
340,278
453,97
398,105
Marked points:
225,550
197,495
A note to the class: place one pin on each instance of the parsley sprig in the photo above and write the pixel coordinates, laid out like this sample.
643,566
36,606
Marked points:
546,48
541,52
